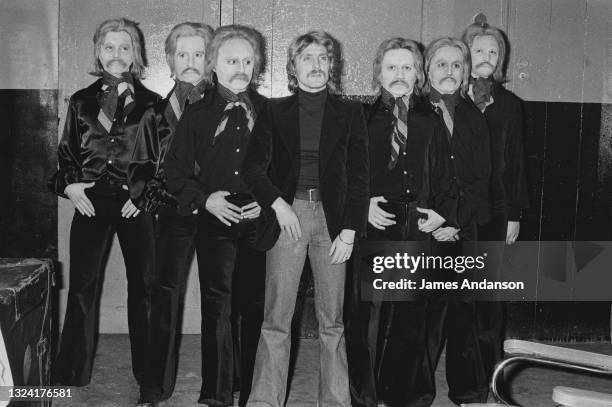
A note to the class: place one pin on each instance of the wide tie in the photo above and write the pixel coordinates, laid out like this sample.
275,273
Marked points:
117,99
446,116
400,131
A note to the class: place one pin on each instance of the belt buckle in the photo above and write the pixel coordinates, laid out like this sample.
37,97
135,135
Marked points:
310,193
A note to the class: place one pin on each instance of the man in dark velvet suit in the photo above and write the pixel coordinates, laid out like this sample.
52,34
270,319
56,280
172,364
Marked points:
185,52
447,63
409,172
203,169
94,153
503,112
307,166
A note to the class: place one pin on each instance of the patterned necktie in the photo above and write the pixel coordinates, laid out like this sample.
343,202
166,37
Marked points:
115,90
185,94
445,105
400,131
446,116
240,101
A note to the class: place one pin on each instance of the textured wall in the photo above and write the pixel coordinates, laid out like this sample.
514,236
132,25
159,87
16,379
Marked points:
29,56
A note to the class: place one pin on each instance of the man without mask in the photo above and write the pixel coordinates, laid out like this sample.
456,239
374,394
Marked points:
308,167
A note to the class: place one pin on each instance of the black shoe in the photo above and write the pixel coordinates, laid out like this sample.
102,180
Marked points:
146,403
212,402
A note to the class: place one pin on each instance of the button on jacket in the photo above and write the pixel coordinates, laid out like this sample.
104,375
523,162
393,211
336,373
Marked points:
508,182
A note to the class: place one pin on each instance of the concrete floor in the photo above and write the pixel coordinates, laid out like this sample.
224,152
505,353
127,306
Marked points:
113,384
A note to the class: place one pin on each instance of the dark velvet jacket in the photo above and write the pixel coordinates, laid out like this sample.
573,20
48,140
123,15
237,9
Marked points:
271,166
147,179
426,166
470,156
508,181
86,151
185,167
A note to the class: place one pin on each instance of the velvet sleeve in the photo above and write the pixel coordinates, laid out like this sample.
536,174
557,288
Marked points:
357,174
180,168
257,160
514,173
146,179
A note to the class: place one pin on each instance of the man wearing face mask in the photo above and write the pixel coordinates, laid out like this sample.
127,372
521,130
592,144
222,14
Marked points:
94,153
203,169
408,176
503,112
307,165
185,52
447,63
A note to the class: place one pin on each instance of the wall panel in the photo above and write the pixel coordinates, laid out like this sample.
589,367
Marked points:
597,44
29,55
259,15
28,137
529,26
567,27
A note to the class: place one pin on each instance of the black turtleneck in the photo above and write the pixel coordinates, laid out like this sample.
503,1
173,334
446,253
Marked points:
311,108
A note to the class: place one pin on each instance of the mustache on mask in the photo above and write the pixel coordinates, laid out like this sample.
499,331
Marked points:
240,76
316,72
186,70
400,82
448,78
117,60
485,63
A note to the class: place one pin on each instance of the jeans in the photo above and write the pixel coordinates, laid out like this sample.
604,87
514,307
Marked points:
90,242
284,264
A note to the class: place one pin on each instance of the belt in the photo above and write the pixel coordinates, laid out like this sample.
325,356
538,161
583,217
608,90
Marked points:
107,184
312,195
